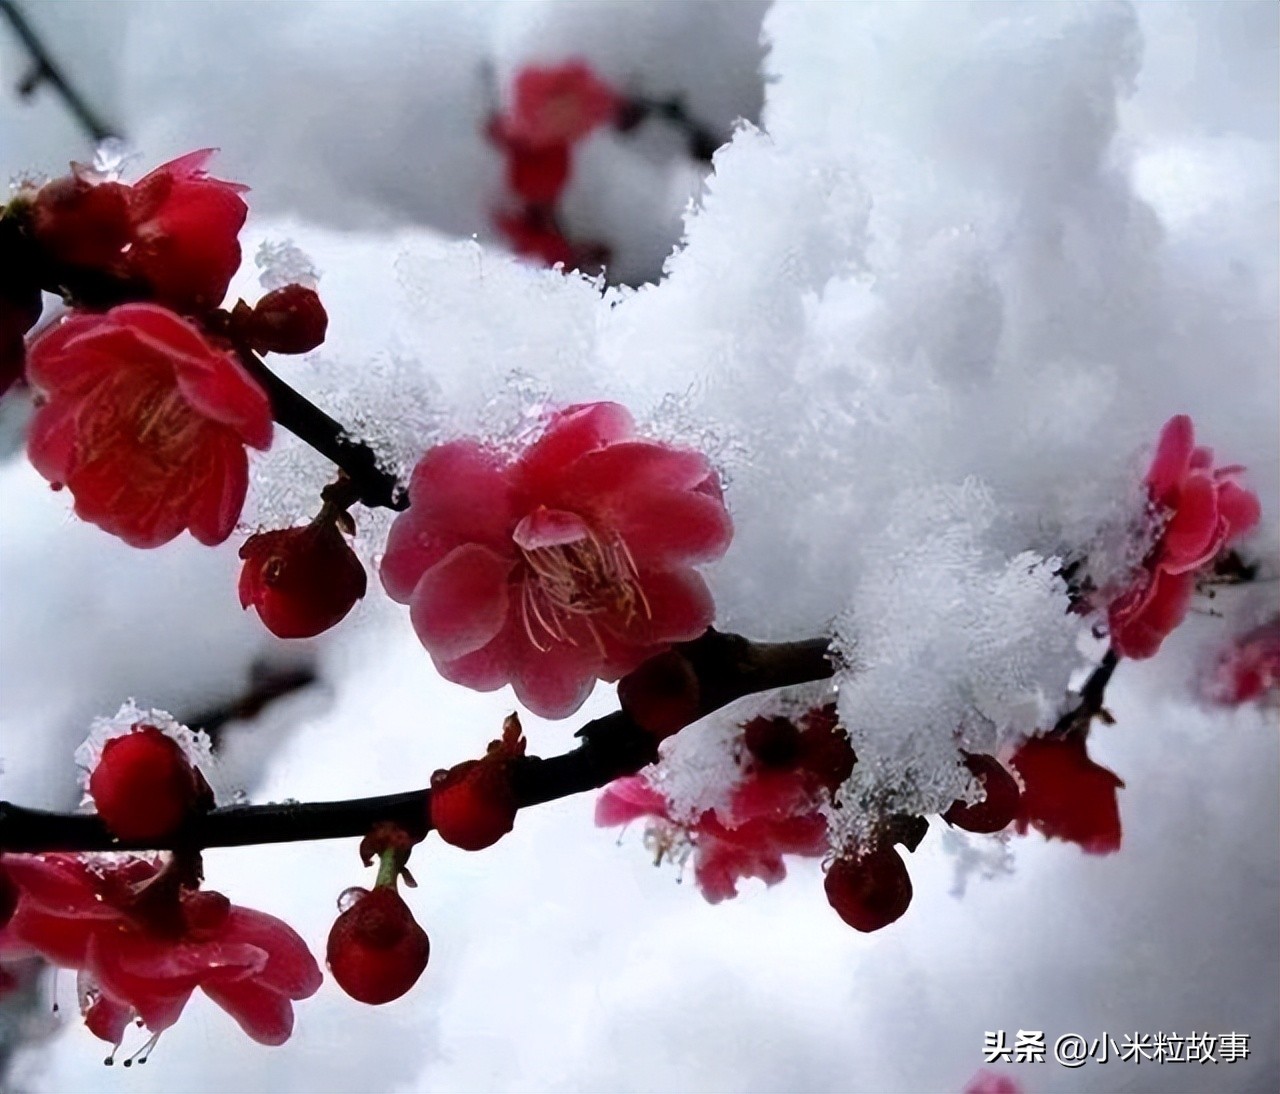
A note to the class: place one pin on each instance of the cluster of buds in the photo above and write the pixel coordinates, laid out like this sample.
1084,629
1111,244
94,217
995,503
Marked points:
790,771
552,110
147,393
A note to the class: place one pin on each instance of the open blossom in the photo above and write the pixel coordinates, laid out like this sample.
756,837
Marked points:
144,944
175,230
569,563
1248,669
770,814
1066,795
559,105
1201,511
146,423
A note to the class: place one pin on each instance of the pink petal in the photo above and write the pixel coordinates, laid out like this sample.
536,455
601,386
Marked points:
57,358
211,380
460,604
265,1015
549,528
1191,537
1139,634
219,499
486,669
290,969
106,1018
1239,509
51,440
129,964
665,530
62,940
680,609
459,493
556,683
57,885
1173,454
627,799
572,432
627,466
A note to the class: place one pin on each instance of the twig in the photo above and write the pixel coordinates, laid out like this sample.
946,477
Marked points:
370,483
1092,695
45,71
727,667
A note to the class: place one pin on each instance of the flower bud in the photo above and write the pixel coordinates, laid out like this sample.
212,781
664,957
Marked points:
302,581
869,890
287,320
997,810
376,950
144,786
472,804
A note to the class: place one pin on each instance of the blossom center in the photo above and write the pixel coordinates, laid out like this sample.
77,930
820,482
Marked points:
578,580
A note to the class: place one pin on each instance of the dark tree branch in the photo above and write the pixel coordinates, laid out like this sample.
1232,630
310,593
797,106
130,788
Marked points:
1080,717
45,71
369,482
727,666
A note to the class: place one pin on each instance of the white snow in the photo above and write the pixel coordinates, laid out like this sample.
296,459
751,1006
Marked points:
928,316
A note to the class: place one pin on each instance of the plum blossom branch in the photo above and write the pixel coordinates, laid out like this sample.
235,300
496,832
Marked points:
369,482
45,71
726,666
1092,696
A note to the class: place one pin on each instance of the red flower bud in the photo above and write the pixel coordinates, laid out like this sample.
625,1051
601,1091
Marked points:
662,695
302,581
870,890
287,320
472,804
376,950
997,810
144,786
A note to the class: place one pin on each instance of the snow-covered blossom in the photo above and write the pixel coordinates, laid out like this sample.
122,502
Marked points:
146,943
770,815
1200,511
146,423
175,230
1065,795
568,563
301,581
143,786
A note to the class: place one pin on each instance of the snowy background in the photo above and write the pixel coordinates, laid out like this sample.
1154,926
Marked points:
931,311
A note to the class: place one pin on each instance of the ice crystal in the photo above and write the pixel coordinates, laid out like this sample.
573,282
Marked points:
195,745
